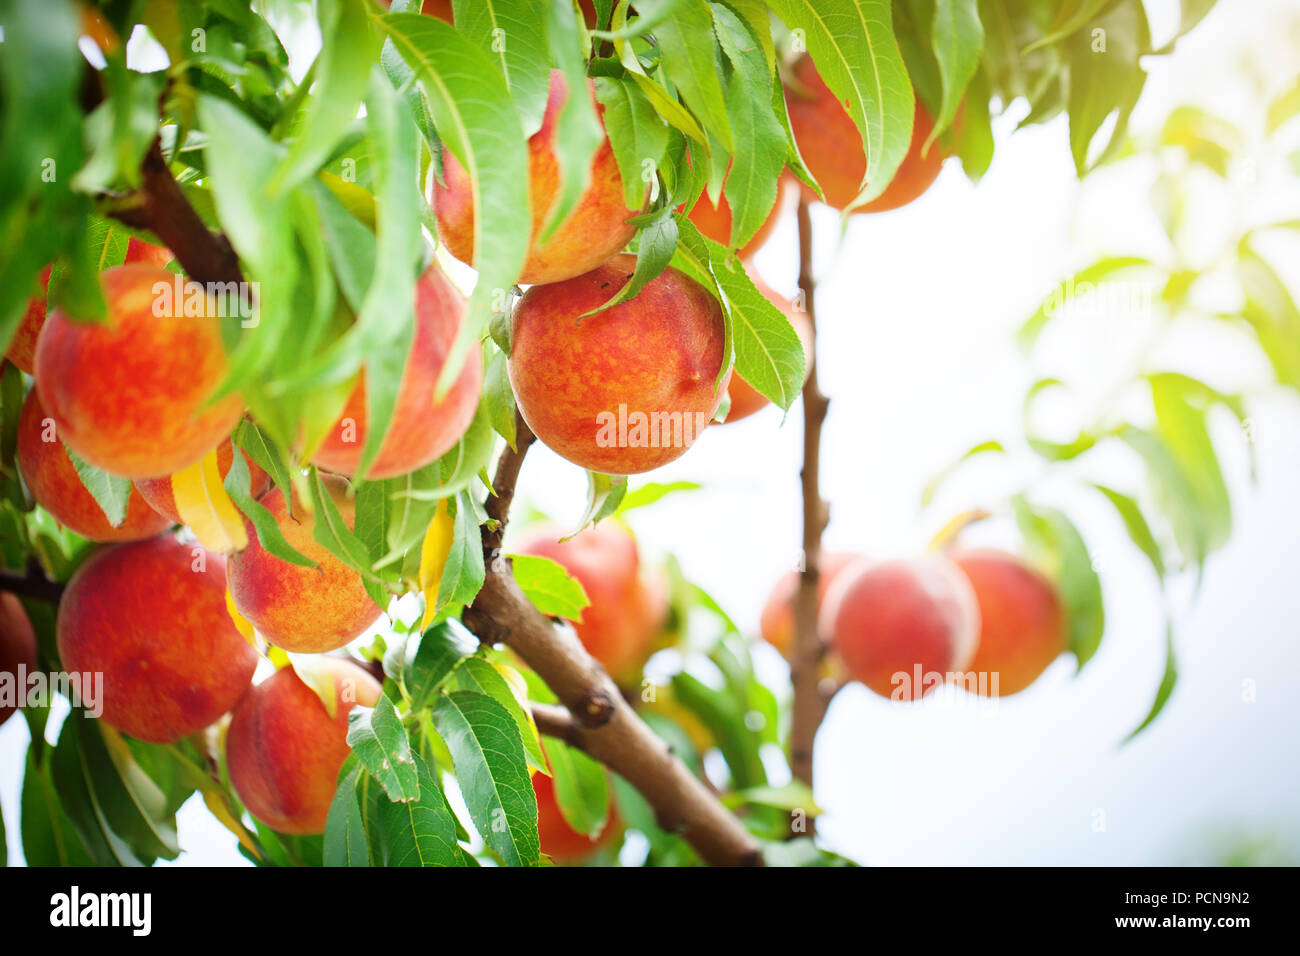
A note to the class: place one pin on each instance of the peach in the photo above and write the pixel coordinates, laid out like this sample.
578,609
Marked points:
1022,621
776,624
158,491
627,610
55,485
132,396
22,349
714,222
900,627
831,146
284,750
595,230
559,841
629,389
745,399
303,610
151,617
422,429
17,648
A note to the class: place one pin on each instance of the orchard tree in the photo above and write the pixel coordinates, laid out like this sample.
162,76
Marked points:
223,311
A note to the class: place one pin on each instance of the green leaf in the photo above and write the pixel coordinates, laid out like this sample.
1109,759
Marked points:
1167,683
1284,107
578,131
349,48
637,134
1106,79
656,245
1058,547
420,832
604,495
514,33
478,675
853,47
684,31
932,486
1173,491
499,397
751,185
463,574
724,716
111,493
958,40
345,829
551,588
1050,450
477,120
1080,284
653,491
48,835
238,485
378,738
431,660
1135,523
492,772
769,354
331,532
581,788
1181,422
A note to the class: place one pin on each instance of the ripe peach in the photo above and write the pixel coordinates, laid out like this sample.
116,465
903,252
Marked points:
22,349
305,610
745,399
158,491
715,221
831,147
626,390
627,611
422,429
1022,622
776,624
284,750
151,617
595,230
901,626
17,647
132,395
55,485
561,842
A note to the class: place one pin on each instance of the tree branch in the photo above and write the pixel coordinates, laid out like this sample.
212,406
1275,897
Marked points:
31,584
810,698
595,718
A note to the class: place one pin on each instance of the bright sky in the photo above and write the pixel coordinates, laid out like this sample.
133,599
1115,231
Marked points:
916,311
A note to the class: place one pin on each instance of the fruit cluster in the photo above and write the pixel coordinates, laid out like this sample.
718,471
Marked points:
141,396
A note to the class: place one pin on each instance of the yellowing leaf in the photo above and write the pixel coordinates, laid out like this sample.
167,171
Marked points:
203,504
312,672
433,558
241,623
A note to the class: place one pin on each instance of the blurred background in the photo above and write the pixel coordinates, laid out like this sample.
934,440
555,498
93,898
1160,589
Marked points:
917,314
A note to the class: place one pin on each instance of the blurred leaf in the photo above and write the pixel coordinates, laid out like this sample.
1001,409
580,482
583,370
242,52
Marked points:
1167,683
654,491
1284,106
1051,451
932,486
1207,139
1135,523
1080,283
581,788
1106,79
958,40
